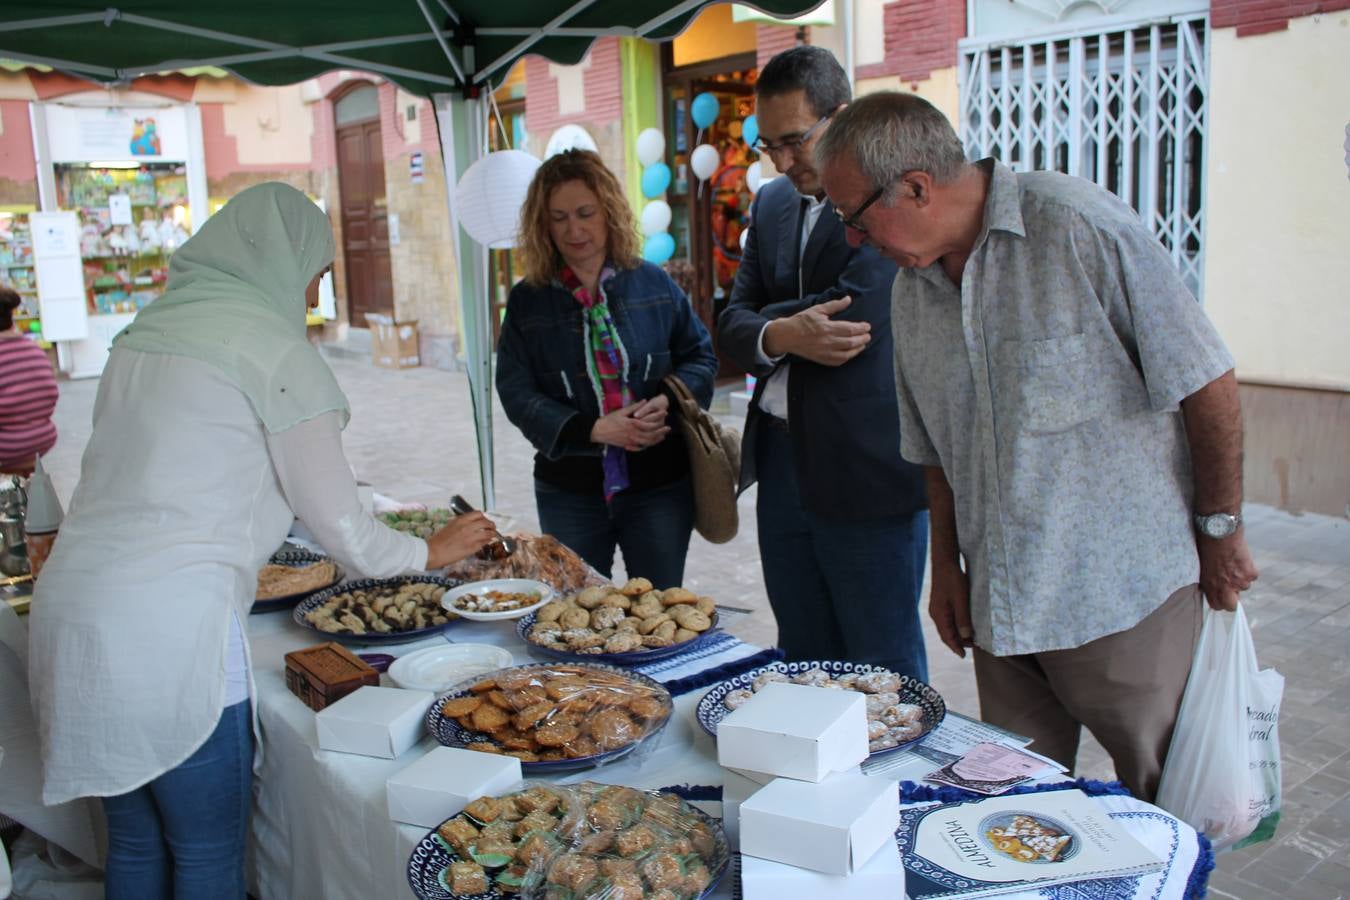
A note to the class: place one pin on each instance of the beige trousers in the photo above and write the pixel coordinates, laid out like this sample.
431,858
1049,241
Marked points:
1125,687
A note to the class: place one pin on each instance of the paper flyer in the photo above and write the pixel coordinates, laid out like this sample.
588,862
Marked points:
1006,844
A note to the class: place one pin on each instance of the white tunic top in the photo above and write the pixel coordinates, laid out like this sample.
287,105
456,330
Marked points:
182,497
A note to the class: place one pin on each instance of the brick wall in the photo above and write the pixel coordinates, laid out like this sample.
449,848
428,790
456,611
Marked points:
771,40
602,85
921,37
1252,17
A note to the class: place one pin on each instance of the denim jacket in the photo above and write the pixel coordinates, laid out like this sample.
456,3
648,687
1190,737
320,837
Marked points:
542,378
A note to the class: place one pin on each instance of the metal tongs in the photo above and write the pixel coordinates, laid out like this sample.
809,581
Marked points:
500,548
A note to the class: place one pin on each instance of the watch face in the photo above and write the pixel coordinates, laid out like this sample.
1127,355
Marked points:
1218,525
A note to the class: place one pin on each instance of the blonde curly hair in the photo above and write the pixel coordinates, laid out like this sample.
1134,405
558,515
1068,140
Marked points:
538,253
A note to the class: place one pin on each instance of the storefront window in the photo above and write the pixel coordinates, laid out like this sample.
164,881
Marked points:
132,218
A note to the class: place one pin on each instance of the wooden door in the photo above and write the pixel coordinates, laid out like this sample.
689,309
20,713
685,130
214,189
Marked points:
365,221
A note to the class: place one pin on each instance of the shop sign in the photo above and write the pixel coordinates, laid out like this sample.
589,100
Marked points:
415,170
121,134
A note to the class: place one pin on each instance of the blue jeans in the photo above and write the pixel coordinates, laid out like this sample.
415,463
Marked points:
840,590
652,527
182,835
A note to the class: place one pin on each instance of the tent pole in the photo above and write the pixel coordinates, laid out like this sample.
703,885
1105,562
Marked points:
460,131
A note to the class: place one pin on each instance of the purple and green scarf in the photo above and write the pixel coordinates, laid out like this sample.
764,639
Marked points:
607,366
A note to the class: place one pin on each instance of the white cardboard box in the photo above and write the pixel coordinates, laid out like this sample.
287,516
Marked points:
795,731
833,827
374,721
444,781
883,878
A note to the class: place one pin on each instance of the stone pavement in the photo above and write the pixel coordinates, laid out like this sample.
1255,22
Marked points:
411,436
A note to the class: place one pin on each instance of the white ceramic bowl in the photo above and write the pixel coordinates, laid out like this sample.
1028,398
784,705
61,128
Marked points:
504,585
437,668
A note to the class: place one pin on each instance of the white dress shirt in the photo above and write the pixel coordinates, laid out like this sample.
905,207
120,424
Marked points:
773,399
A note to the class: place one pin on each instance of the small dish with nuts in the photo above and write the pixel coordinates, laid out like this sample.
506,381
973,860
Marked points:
502,598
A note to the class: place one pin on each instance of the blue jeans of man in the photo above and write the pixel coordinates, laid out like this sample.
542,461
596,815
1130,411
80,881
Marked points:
840,590
182,835
651,527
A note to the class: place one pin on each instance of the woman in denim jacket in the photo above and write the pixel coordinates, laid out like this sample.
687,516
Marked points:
588,335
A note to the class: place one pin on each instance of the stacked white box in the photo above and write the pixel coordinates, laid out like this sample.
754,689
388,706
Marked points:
373,721
795,731
444,781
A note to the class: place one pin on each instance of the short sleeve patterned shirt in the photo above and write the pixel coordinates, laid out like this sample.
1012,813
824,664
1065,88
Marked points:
1047,387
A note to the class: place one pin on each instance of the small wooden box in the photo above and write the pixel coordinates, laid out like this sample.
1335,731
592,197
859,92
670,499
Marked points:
324,674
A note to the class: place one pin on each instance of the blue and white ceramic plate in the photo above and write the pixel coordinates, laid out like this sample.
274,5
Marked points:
636,658
369,637
429,865
711,709
452,734
295,558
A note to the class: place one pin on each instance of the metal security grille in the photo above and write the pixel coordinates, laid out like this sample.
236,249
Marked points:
1125,108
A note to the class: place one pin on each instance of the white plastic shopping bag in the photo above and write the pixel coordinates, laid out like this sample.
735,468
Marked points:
1222,774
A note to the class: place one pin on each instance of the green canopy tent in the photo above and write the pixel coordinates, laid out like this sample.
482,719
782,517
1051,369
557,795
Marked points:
451,51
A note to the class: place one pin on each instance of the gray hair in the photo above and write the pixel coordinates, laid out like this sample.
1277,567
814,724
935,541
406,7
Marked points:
889,133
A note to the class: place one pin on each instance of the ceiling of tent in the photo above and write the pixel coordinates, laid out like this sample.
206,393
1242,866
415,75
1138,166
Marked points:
426,46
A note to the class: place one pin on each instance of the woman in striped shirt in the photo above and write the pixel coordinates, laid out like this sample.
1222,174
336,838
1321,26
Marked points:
27,394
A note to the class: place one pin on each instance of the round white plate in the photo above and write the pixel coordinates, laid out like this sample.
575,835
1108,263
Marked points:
437,669
506,586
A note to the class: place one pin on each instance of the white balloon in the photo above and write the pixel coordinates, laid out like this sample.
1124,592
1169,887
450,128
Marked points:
745,236
655,217
704,161
754,176
490,195
651,146
569,137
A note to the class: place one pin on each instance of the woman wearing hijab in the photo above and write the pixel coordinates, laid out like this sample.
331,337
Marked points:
588,336
216,423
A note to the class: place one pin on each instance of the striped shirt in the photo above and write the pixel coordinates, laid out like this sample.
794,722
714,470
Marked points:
27,399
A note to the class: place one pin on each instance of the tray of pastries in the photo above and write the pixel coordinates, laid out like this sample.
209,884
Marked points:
900,709
291,575
379,610
628,625
552,717
582,842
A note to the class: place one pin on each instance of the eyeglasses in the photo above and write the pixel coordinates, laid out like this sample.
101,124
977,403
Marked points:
794,142
853,220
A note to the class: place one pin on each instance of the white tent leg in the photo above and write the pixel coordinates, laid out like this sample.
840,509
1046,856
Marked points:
460,125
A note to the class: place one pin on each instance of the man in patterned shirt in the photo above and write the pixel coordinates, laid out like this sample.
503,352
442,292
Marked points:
1078,419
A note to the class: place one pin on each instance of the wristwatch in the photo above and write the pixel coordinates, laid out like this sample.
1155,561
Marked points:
1218,525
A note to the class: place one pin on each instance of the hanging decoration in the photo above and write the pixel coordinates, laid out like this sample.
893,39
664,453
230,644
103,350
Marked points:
655,217
490,195
704,109
703,161
655,180
658,248
750,130
651,146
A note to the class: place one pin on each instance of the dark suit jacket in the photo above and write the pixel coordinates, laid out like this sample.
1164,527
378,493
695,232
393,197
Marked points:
844,424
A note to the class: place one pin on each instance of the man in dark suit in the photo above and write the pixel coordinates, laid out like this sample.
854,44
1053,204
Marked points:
843,521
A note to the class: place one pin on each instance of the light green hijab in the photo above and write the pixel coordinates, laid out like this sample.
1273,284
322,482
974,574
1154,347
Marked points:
236,299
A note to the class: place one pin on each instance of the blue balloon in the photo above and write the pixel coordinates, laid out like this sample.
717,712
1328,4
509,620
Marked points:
704,109
750,130
658,248
655,180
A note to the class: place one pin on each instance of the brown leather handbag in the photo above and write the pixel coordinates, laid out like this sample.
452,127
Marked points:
714,464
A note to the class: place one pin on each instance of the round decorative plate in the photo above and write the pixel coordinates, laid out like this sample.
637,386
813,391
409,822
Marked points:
295,558
430,862
711,709
393,637
452,734
636,658
500,585
438,669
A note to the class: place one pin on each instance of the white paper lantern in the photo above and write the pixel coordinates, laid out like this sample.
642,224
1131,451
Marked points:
704,161
651,146
570,137
490,195
655,217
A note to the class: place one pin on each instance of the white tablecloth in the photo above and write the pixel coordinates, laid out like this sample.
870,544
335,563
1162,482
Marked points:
321,827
